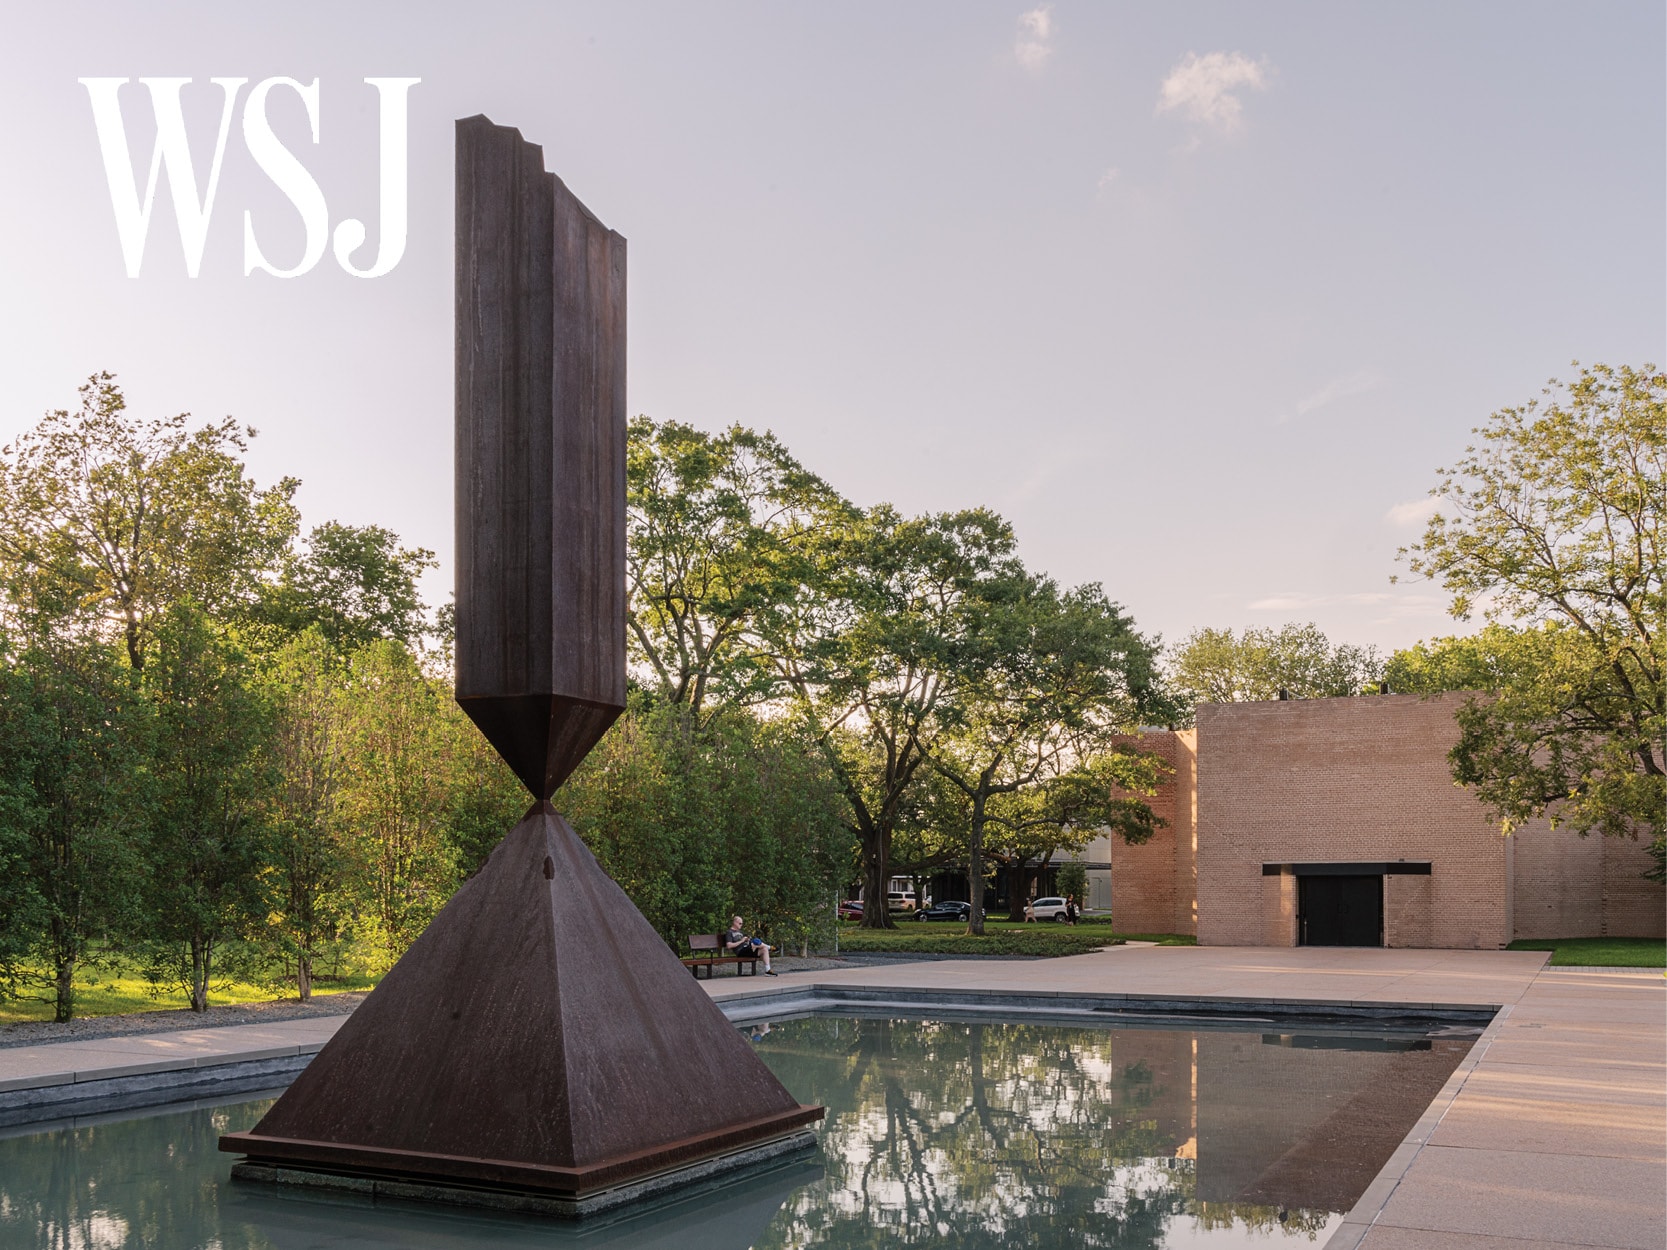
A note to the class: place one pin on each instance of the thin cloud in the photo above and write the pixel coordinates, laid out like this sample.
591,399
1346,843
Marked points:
1034,43
1203,88
1413,513
1338,388
1106,179
1298,601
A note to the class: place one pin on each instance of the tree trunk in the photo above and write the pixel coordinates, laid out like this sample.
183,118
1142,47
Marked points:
876,876
201,953
1018,889
304,976
63,980
975,867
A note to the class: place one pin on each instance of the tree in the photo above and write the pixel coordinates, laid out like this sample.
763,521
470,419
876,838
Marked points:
394,796
212,781
127,517
1073,881
1105,792
697,820
1050,677
306,876
72,734
354,583
716,531
871,648
1550,525
1217,666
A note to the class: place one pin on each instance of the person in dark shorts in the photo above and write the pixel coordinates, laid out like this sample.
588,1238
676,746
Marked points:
736,942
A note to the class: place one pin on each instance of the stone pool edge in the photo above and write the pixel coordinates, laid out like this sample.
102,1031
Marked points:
1358,1220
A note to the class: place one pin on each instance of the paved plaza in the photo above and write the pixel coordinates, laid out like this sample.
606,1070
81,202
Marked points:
1552,1132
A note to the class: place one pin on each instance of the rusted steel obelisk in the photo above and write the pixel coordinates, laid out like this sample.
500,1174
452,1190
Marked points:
538,1047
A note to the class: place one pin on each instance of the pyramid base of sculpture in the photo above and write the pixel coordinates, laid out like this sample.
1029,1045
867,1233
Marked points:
405,1185
539,1038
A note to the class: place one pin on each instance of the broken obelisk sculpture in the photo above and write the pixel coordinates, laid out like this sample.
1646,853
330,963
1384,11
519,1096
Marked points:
539,1046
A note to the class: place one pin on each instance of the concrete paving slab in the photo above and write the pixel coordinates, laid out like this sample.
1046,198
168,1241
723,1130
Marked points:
1386,1238
1561,1198
1564,1127
1587,1083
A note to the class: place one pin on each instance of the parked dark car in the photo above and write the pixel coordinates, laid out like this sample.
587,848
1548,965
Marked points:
946,911
851,909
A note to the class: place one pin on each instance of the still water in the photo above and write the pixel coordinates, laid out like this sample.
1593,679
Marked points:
939,1132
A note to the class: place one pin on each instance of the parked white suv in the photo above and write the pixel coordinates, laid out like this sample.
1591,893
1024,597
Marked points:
900,900
1049,909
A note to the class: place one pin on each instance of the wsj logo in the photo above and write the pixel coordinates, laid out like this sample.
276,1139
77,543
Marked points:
194,203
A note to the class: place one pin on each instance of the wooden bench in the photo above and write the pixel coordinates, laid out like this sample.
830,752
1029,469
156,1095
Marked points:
708,951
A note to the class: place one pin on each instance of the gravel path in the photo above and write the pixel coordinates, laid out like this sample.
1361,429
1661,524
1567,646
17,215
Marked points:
31,1032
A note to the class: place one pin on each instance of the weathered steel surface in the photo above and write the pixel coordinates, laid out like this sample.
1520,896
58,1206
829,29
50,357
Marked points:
540,1035
540,379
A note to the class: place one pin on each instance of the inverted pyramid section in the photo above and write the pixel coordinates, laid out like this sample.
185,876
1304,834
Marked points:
542,737
538,1034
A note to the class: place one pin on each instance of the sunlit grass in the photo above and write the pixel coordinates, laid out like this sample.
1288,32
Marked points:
1599,952
120,991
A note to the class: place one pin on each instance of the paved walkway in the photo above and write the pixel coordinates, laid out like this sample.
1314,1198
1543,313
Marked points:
1553,1132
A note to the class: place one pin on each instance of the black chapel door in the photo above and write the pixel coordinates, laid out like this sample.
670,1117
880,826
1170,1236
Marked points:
1340,911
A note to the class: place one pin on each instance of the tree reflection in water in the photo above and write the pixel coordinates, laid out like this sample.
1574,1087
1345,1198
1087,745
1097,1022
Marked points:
993,1135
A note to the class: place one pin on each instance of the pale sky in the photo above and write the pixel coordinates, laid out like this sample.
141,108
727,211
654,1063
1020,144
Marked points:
1199,297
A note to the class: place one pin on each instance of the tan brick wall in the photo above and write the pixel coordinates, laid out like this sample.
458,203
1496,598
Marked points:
1569,886
1153,885
1342,779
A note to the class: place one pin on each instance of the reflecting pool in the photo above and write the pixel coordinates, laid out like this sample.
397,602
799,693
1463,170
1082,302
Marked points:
965,1133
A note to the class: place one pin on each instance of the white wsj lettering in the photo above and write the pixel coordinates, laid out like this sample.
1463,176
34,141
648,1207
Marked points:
194,207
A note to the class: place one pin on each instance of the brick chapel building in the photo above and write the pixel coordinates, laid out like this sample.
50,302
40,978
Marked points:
1337,822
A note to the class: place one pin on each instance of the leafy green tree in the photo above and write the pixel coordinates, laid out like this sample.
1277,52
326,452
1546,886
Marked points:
394,796
306,875
871,649
484,799
1073,881
1551,522
698,820
212,780
72,732
354,583
717,530
1104,792
127,517
1219,666
1049,676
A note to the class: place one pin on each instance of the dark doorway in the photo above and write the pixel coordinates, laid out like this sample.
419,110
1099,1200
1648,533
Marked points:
1340,911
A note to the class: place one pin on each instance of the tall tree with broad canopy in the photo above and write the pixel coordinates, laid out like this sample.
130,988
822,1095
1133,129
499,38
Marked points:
872,648
127,517
212,781
1219,666
1048,677
72,809
718,528
1550,525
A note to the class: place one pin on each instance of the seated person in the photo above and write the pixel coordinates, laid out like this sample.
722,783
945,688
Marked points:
738,943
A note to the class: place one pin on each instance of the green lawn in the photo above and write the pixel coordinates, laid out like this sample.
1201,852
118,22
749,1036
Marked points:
115,992
1001,937
1600,952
